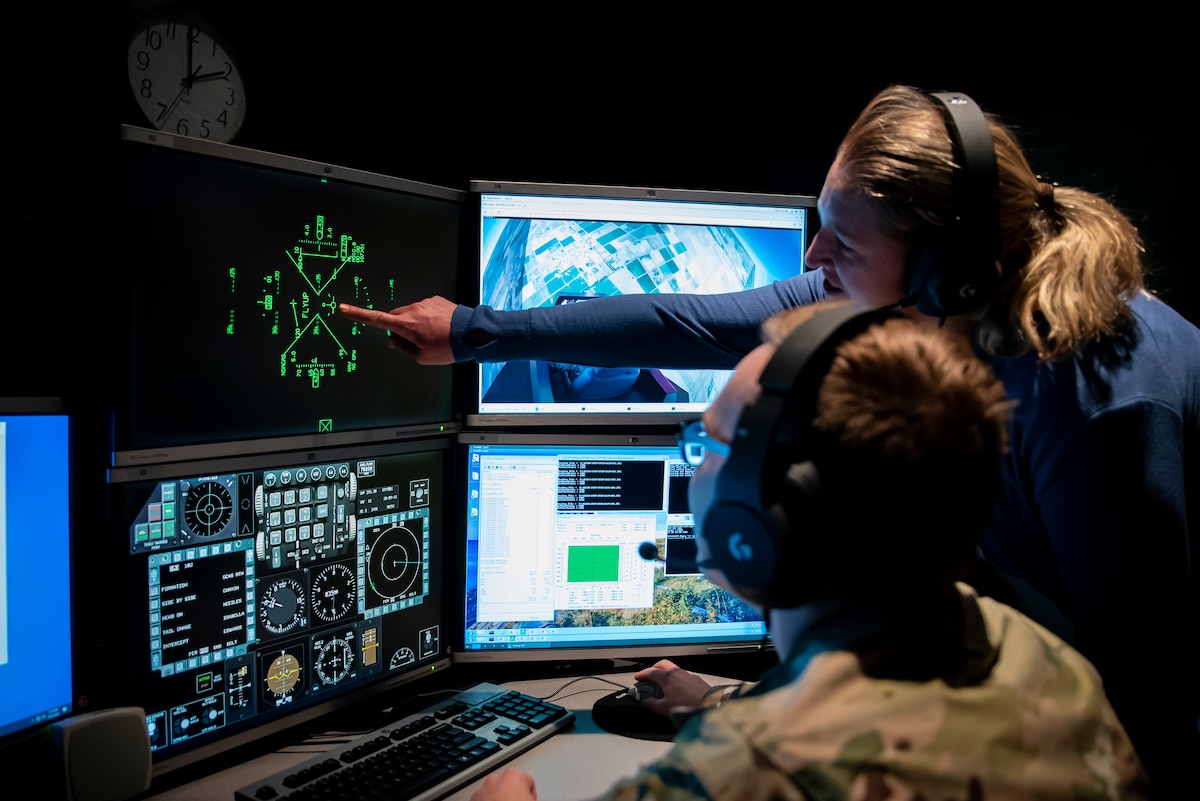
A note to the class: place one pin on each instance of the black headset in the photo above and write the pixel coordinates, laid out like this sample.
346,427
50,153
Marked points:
749,528
955,271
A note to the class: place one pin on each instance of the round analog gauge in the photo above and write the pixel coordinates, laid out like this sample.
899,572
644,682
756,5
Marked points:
334,592
281,607
333,660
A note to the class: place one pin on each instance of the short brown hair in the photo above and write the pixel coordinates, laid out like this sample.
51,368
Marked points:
915,427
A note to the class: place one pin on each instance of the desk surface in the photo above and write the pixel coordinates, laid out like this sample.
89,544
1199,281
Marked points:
595,757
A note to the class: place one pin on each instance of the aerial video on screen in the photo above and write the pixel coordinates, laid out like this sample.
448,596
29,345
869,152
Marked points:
530,262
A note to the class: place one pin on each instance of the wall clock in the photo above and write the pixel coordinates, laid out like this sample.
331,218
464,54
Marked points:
185,77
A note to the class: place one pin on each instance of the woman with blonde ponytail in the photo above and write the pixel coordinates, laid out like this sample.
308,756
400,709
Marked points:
1101,503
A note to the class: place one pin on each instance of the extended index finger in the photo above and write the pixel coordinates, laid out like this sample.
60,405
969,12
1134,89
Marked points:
359,314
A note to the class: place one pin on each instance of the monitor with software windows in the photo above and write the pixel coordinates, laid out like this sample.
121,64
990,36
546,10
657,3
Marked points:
580,556
545,244
581,547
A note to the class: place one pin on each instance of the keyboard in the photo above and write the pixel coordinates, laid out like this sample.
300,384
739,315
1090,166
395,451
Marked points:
423,756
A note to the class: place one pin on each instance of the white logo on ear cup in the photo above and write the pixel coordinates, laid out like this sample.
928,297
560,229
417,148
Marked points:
739,549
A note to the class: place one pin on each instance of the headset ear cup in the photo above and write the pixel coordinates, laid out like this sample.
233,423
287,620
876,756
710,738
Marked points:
756,548
955,272
740,543
949,278
760,521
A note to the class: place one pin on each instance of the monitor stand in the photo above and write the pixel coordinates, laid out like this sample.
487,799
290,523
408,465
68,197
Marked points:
618,713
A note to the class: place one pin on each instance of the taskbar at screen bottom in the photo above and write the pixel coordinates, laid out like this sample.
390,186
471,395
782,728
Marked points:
696,635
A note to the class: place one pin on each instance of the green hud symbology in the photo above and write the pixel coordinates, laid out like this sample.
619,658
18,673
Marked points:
298,302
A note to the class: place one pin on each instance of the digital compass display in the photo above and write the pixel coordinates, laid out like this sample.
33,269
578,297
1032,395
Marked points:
396,560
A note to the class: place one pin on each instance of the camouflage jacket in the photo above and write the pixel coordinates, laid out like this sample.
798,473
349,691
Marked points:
1009,712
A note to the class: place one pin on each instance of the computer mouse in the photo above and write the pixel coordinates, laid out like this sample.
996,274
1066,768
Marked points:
645,689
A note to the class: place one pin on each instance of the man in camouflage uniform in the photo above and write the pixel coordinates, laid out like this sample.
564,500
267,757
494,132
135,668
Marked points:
895,680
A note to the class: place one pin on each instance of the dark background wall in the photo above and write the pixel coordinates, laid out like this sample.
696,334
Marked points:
747,99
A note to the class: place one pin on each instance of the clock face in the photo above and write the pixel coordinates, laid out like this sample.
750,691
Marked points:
185,80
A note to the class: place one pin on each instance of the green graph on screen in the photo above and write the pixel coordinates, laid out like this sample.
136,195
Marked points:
593,563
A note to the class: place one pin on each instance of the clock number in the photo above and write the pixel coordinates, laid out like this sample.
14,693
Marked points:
181,128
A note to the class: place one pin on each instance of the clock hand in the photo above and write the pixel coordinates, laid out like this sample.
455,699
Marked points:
189,78
209,76
188,71
183,90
